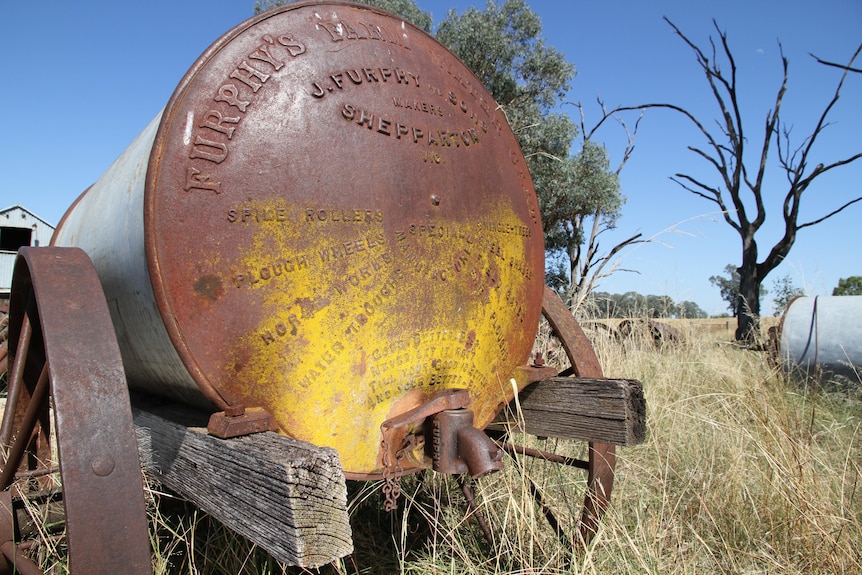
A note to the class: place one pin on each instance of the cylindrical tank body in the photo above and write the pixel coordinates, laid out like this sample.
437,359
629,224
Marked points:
330,219
823,336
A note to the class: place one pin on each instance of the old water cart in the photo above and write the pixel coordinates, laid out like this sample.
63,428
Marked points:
329,246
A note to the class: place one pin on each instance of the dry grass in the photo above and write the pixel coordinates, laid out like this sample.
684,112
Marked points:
741,472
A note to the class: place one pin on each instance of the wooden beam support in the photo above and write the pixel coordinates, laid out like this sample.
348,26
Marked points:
287,496
586,409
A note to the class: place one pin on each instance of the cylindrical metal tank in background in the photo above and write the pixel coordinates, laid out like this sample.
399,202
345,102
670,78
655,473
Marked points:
822,337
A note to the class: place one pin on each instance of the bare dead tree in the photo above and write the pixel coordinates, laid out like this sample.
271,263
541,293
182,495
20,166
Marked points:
837,65
589,263
739,185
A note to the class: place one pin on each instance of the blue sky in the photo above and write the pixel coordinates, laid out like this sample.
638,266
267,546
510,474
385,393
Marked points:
83,79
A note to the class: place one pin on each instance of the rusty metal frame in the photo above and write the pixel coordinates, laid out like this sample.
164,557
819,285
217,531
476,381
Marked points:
601,460
602,456
67,360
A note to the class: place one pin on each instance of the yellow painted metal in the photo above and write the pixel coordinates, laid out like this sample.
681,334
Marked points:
379,334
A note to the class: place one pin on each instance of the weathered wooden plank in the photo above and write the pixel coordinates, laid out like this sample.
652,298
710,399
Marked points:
287,496
586,409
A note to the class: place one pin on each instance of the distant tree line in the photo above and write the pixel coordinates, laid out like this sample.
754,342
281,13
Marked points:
632,304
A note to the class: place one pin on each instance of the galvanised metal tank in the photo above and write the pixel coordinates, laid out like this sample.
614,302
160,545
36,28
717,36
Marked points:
330,219
822,336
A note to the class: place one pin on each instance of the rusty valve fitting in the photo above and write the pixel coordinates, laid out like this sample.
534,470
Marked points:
456,447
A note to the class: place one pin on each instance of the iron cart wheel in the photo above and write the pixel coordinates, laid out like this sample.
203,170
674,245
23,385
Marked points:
4,345
68,412
601,457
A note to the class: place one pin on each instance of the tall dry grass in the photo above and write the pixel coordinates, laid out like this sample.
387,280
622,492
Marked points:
742,472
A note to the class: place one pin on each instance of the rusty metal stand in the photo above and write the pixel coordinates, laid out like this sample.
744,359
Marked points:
473,510
601,459
67,382
601,456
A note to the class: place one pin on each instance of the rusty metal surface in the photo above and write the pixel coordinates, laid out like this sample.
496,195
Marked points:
403,436
578,348
602,456
546,455
660,333
106,524
242,422
12,560
457,447
4,336
338,223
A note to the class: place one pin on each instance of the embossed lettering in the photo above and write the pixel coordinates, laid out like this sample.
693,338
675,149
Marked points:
270,271
196,180
365,118
250,76
263,54
294,48
281,329
257,215
383,126
417,106
214,120
335,31
340,215
370,75
327,358
342,30
206,150
230,95
374,32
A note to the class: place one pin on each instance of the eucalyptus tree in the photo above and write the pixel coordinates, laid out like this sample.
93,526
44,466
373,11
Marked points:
849,286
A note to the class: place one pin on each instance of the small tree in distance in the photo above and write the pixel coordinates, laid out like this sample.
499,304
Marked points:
849,286
783,293
728,286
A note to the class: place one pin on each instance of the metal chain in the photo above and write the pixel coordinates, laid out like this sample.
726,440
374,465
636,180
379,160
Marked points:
391,485
392,473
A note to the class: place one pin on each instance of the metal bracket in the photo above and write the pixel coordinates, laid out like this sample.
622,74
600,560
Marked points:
238,421
457,447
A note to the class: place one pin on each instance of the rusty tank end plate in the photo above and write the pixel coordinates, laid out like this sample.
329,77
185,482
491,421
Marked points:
339,223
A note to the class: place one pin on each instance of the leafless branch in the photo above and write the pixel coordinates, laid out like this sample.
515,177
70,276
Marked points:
830,214
845,67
